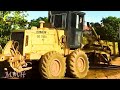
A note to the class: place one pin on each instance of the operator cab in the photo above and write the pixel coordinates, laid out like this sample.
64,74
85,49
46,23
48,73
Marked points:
72,22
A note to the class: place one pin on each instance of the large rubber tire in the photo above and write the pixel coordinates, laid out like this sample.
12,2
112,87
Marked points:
77,64
52,66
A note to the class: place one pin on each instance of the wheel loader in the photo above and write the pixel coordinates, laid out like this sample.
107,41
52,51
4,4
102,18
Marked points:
57,49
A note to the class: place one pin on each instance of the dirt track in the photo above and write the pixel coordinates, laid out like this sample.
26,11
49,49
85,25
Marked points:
105,73
99,74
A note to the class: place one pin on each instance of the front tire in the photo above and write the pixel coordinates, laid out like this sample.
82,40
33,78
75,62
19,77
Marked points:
77,64
52,66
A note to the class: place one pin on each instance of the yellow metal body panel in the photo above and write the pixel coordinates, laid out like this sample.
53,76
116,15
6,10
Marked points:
41,41
112,45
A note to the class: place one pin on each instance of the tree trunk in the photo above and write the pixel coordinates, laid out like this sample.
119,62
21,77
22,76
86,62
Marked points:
119,47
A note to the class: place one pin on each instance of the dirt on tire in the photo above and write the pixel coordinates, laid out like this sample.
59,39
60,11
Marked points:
50,63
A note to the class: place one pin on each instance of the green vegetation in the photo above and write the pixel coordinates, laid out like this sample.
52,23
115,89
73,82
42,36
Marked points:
108,31
14,20
109,28
35,22
10,20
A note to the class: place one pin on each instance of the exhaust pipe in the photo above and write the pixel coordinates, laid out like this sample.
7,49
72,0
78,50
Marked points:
41,24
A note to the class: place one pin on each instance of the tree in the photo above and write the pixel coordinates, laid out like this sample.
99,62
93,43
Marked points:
10,20
111,27
109,30
35,22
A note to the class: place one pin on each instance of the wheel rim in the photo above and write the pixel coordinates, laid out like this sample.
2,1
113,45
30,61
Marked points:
55,67
81,64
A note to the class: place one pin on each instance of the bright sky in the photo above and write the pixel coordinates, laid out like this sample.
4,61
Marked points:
91,16
36,14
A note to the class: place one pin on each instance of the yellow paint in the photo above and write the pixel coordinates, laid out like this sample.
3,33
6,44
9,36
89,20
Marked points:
41,41
110,44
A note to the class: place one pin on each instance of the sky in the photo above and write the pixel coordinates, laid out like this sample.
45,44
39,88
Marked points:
91,16
36,14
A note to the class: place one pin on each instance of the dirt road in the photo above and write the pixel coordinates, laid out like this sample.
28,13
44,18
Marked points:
103,73
99,74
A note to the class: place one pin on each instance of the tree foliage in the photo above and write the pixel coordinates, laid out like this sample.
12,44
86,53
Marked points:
10,20
35,22
109,28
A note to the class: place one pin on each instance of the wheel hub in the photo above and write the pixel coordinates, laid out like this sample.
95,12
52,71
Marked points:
55,67
81,64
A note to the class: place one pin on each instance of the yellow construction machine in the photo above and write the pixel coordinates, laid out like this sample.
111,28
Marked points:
57,49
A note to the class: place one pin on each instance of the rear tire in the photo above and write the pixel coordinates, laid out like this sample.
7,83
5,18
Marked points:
52,66
77,64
